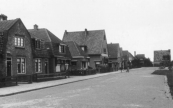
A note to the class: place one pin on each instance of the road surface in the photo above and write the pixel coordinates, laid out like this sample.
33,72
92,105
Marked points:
137,89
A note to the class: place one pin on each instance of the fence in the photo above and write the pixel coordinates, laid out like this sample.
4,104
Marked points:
83,72
8,81
42,77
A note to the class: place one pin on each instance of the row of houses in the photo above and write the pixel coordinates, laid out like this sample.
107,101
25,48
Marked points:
28,51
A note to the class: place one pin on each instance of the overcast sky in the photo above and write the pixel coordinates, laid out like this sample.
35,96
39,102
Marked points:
137,25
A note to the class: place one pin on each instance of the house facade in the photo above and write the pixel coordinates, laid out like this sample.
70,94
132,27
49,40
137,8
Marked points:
114,56
15,48
161,56
94,43
80,60
58,51
40,56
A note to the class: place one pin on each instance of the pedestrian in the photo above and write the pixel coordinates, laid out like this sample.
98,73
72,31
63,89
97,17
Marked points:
128,65
122,66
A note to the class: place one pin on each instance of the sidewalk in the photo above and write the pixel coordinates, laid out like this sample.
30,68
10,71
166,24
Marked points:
21,88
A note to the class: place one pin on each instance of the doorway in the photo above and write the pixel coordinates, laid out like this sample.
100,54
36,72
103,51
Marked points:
46,67
9,65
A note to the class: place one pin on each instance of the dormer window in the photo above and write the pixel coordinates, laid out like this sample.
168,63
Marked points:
38,44
84,48
62,48
19,41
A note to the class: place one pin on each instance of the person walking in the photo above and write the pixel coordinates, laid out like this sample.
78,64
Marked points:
128,65
122,66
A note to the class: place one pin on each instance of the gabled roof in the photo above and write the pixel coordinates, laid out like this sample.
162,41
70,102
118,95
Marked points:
48,37
7,24
75,49
92,39
45,35
113,50
125,55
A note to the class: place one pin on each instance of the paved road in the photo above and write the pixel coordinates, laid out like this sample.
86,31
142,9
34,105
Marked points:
137,89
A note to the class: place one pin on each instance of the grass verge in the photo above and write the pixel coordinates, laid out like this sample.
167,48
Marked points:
169,75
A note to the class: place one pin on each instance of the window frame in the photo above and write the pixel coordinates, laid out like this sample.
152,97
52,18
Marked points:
37,65
21,65
19,41
62,49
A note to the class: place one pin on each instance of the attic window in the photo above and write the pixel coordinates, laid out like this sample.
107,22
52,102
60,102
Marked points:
84,48
38,44
62,48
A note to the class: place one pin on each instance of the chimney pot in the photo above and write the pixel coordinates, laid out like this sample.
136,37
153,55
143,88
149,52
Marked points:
66,32
36,27
3,17
86,32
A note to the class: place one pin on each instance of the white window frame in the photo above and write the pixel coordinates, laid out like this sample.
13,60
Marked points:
19,41
37,63
21,65
62,47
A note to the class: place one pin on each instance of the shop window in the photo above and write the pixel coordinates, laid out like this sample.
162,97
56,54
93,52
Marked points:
21,66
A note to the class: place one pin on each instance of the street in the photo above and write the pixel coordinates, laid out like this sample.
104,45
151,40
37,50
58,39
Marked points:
136,89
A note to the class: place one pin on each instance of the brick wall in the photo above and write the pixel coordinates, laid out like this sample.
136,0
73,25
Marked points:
26,52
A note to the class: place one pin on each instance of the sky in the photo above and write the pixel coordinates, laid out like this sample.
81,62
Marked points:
137,25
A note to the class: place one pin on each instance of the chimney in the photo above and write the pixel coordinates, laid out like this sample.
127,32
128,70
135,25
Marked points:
66,32
35,27
3,17
134,53
86,32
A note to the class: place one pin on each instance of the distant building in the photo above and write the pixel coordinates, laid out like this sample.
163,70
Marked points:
141,57
114,55
80,59
161,56
94,43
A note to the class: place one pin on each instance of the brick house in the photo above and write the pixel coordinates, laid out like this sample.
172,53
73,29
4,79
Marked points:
93,42
40,56
162,56
114,55
15,48
80,59
60,57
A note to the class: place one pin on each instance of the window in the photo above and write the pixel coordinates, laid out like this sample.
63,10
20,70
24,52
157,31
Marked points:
38,44
38,67
73,63
21,66
19,41
104,50
83,48
61,48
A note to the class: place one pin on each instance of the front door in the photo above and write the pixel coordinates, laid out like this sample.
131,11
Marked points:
9,66
46,67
